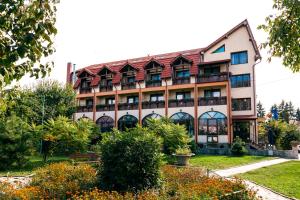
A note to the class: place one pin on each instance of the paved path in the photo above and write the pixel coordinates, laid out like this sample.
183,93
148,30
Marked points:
261,191
246,168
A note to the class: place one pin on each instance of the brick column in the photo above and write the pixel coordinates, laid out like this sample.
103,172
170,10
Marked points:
116,107
196,112
166,98
140,104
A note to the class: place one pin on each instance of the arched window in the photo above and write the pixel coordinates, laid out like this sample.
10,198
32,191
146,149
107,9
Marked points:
186,119
213,123
127,121
105,123
150,116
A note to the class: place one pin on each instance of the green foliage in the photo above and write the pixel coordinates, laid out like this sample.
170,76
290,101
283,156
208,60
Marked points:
64,134
291,134
15,135
44,101
238,147
58,180
174,135
275,130
297,115
27,31
183,151
130,160
284,33
260,110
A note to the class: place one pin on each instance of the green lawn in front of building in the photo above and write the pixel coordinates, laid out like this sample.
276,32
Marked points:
33,163
283,178
222,162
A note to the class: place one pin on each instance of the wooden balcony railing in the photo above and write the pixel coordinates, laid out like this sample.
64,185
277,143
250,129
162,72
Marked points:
153,104
181,80
127,86
181,103
85,90
105,107
128,106
105,88
212,78
153,83
88,108
210,101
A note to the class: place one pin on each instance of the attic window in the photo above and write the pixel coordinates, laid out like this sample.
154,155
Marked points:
220,49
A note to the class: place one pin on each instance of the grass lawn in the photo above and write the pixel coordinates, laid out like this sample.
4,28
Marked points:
33,163
283,178
222,162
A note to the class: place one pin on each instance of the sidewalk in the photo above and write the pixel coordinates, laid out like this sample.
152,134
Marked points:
242,169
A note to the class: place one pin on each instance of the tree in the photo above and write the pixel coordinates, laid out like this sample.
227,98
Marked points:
26,37
62,131
298,114
260,110
44,101
283,29
15,135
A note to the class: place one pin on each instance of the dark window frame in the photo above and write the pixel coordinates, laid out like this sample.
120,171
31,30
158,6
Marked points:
241,104
239,59
245,82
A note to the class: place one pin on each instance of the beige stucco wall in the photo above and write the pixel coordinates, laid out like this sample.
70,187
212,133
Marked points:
169,82
105,113
86,114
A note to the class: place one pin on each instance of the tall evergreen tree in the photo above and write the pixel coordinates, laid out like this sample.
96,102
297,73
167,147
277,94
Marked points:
260,110
297,115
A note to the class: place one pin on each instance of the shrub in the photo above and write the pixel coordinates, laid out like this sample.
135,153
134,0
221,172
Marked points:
183,151
15,142
238,147
130,160
291,135
174,135
59,180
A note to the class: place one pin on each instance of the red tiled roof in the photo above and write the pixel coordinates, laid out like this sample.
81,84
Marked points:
95,80
164,59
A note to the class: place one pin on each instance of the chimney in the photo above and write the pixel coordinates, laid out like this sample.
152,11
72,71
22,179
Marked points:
69,68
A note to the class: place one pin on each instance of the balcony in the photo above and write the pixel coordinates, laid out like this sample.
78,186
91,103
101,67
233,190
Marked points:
105,88
211,101
212,78
153,83
86,90
153,104
88,108
128,106
105,107
127,86
181,103
181,80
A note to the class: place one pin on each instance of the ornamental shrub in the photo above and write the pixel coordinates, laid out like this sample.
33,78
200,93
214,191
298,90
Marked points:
60,180
174,135
289,136
130,160
238,147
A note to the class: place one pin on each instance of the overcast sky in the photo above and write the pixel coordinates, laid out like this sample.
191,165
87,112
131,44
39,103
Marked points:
93,31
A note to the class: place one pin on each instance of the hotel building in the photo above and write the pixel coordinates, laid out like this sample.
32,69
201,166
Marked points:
210,90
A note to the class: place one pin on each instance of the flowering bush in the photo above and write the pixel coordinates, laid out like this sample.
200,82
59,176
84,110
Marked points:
63,179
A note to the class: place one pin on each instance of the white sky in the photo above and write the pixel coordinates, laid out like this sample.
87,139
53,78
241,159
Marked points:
94,31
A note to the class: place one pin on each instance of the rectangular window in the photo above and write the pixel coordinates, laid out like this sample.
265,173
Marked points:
241,104
183,74
110,101
89,102
155,77
212,93
212,139
239,58
241,80
212,70
183,95
133,99
156,97
130,79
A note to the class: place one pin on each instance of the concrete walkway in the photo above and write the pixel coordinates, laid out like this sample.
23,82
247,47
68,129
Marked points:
262,192
242,169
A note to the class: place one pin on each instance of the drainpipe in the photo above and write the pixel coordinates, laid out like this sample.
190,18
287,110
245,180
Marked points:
254,91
